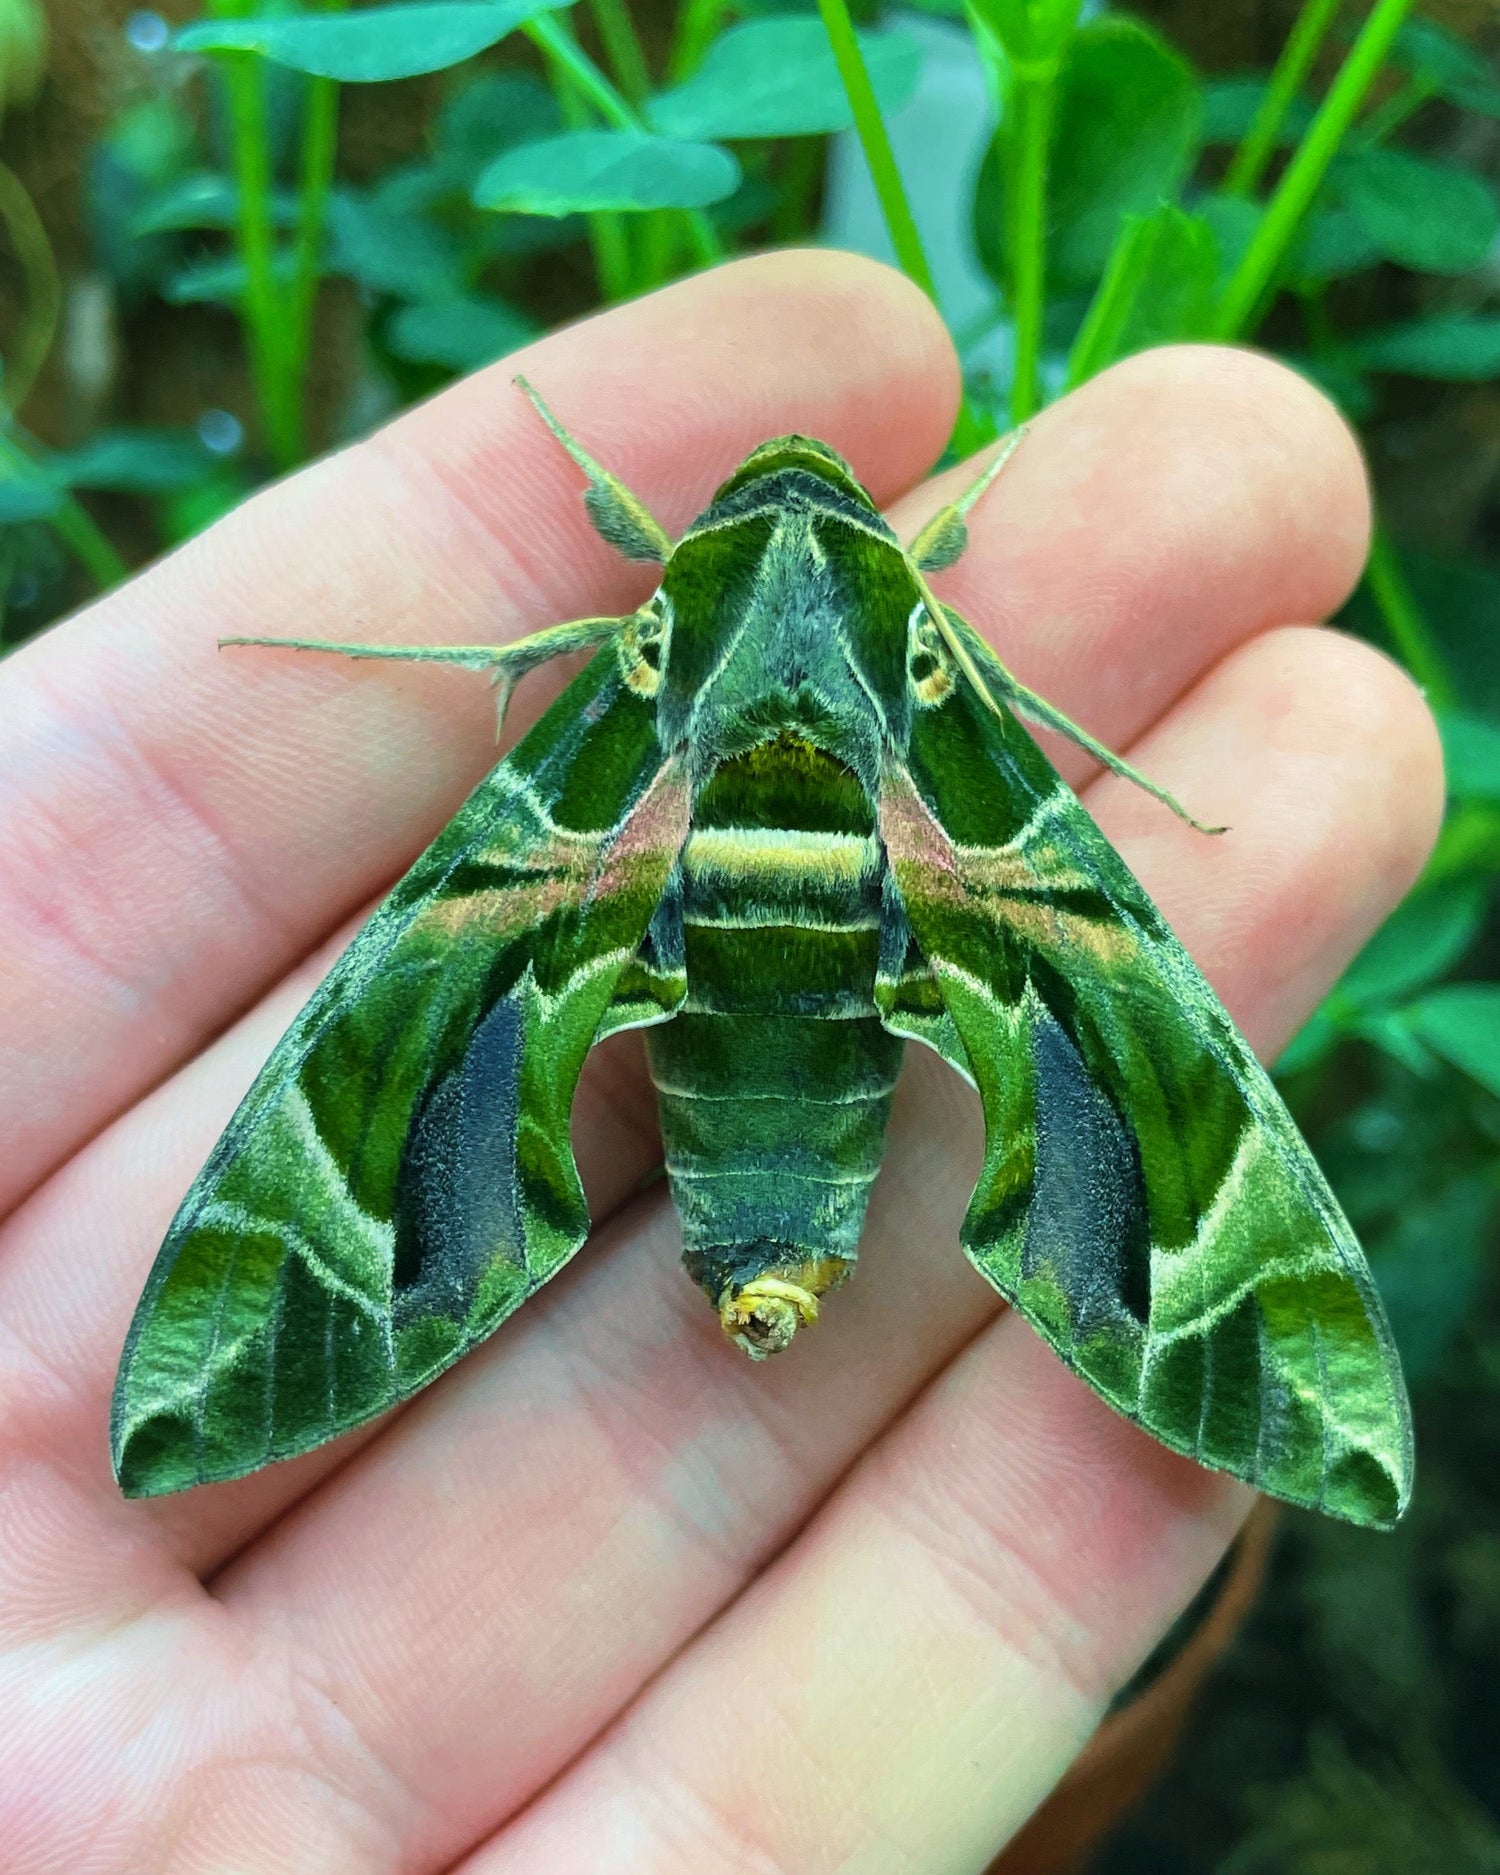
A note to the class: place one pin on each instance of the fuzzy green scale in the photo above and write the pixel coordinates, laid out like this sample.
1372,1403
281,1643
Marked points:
785,820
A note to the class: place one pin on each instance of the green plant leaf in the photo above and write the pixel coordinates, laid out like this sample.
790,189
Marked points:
1334,243
1233,221
1129,115
1456,347
488,113
1031,31
219,280
584,171
1230,105
1462,1024
373,44
460,334
408,256
31,500
1471,754
204,200
1421,941
1431,1266
776,77
1450,66
135,461
1157,288
1429,216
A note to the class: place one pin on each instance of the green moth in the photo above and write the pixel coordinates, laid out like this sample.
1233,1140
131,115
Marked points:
785,820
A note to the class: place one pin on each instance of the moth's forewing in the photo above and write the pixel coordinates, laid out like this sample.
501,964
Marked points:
399,1178
1146,1200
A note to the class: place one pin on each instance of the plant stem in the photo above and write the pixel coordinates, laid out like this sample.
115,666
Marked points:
1098,340
1469,843
1025,144
1390,116
606,232
1254,278
320,131
43,301
70,520
876,144
558,45
1296,61
622,47
1402,617
696,28
266,330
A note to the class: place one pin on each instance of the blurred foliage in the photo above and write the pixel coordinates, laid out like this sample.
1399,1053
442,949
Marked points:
233,239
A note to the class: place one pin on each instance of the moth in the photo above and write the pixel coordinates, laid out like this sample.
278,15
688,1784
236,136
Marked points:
785,820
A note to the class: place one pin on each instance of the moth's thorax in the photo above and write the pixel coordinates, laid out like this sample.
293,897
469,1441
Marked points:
788,606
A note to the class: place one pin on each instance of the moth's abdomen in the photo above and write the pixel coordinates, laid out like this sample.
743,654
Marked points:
775,1079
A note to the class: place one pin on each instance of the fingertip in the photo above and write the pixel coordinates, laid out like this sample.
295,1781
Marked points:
1315,695
1304,455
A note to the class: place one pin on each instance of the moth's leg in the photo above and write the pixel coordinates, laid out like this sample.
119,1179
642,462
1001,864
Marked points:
507,664
945,536
622,518
995,680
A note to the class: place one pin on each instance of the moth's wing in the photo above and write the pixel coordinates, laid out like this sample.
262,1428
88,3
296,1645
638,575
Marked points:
1146,1200
399,1179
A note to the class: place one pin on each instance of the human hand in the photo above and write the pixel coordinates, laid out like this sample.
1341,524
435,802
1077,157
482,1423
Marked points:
607,1596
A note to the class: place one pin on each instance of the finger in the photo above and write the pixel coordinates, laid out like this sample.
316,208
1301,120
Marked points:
1155,518
914,1674
903,1688
550,1524
178,826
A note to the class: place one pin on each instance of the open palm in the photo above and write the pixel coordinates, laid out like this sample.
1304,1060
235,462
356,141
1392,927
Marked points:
608,1597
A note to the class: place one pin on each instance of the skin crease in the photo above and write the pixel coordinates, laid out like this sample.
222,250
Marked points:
606,1595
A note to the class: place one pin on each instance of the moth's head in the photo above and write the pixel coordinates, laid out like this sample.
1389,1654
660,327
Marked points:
804,453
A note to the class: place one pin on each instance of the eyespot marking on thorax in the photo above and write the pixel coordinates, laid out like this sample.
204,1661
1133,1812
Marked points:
642,645
929,664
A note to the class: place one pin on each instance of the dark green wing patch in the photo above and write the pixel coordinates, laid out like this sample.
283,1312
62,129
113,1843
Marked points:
1145,1200
400,1177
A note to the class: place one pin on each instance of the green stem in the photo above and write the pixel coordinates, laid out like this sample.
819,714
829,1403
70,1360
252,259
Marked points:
553,38
43,289
1292,68
263,314
315,186
1469,843
606,232
1254,278
1098,340
803,160
1402,617
876,144
1388,118
622,47
548,34
632,74
70,521
1025,144
319,158
697,26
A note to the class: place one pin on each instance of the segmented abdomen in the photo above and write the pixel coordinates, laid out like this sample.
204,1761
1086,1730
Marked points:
775,1078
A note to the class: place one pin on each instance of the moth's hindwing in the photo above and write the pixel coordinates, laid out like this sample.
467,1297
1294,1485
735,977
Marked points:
1145,1200
399,1178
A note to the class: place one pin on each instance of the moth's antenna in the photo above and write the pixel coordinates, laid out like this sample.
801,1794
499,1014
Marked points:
944,537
